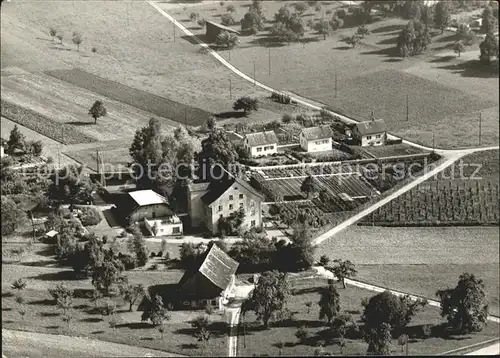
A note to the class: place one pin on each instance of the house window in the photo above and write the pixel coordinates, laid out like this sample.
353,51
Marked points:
252,208
368,137
241,205
154,214
377,136
377,143
252,223
230,206
241,196
176,230
230,197
220,208
259,149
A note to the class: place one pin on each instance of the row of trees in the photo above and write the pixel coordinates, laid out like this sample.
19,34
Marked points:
76,37
17,142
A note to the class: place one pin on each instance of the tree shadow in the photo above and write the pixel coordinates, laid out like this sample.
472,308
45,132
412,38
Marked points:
56,276
96,332
91,320
389,51
472,68
389,28
49,314
442,59
45,302
135,325
40,263
191,39
6,309
7,294
299,322
80,123
81,307
193,27
393,60
41,38
52,327
342,48
230,114
389,41
188,346
59,48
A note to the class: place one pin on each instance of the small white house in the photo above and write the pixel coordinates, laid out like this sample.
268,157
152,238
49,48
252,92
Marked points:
316,139
152,208
261,144
2,152
370,132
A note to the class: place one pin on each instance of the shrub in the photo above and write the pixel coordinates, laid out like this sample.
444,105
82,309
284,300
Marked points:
153,254
201,22
90,216
128,261
60,292
341,14
154,267
159,254
302,333
227,20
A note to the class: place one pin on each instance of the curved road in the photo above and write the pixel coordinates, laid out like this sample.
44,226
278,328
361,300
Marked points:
34,345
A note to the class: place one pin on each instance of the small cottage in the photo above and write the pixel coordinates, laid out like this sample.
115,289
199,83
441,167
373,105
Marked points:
261,143
316,139
370,133
211,283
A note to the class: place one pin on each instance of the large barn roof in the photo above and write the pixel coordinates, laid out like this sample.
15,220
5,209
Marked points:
147,197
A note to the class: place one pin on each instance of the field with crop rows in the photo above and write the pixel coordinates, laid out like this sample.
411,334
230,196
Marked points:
443,202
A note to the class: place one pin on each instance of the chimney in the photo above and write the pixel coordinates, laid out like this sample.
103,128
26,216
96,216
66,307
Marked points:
373,116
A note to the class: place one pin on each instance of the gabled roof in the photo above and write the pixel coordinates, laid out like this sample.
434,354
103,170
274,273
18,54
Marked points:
261,138
147,197
315,133
217,267
371,127
217,189
51,233
222,27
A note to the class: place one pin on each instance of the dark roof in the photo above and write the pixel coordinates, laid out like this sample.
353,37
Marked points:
216,189
261,138
320,132
222,27
216,266
371,127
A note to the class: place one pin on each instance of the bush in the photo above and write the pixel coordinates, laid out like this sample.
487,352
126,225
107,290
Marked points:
90,216
341,14
159,254
152,254
129,262
154,267
227,20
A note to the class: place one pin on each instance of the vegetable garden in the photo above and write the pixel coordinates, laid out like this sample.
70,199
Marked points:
443,202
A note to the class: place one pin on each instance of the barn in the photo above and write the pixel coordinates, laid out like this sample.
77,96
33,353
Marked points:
214,29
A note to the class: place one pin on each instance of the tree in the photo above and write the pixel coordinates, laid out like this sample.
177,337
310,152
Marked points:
16,141
97,110
458,47
77,40
342,270
341,325
231,8
194,16
137,245
36,147
107,273
52,33
288,26
18,284
201,330
323,27
270,295
201,22
61,293
247,104
379,339
309,186
12,216
464,34
301,256
362,31
154,310
131,293
252,22
388,308
60,37
489,22
324,260
280,345
227,19
465,305
488,48
308,304
302,334
329,303
70,185
227,39
353,40
301,7
442,15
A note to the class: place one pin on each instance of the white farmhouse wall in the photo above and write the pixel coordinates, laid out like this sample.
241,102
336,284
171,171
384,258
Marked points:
373,140
149,212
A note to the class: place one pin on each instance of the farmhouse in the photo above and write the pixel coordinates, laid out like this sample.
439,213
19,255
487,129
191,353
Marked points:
152,209
316,139
210,283
260,144
213,30
370,132
210,201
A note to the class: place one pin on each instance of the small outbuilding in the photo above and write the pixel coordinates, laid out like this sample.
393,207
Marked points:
213,30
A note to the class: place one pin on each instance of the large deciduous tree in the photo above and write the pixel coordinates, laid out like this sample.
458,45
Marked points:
342,270
288,26
154,310
97,110
270,295
465,305
488,48
227,39
247,104
442,15
489,22
309,186
12,215
378,339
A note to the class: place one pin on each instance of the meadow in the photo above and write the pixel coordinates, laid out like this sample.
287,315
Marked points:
445,93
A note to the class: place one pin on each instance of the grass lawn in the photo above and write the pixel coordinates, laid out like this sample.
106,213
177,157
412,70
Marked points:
43,316
392,150
142,57
414,245
69,104
114,154
425,280
260,341
445,93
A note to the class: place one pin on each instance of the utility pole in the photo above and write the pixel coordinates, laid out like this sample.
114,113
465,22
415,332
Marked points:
269,61
173,23
230,88
185,116
480,119
254,72
407,109
335,84
433,143
229,53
